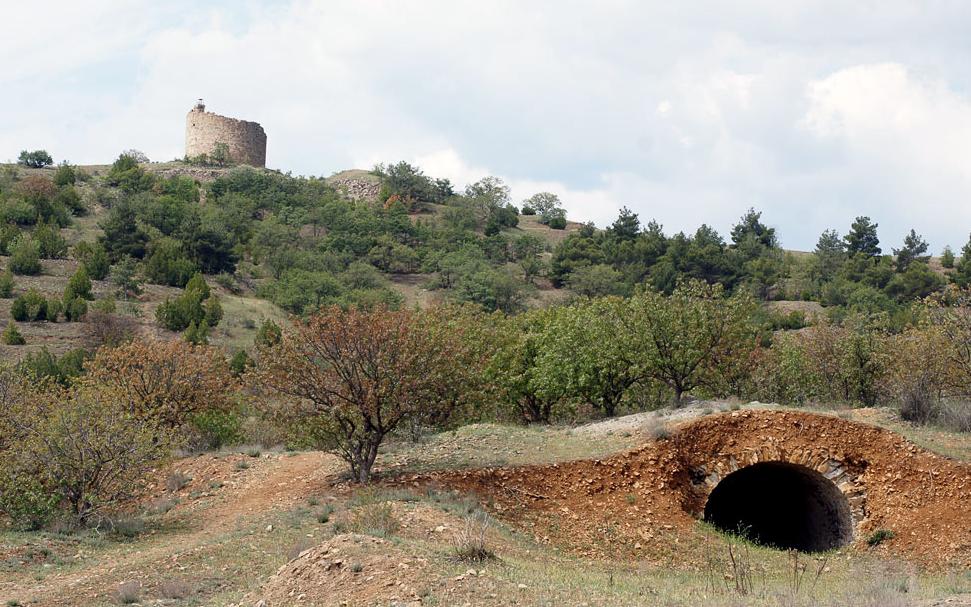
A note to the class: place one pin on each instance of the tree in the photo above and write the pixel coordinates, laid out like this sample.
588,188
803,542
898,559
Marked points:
124,275
36,160
947,258
627,225
913,250
167,264
829,255
79,285
514,367
585,354
685,339
750,227
545,204
12,335
596,281
65,175
962,270
93,257
361,375
862,238
167,381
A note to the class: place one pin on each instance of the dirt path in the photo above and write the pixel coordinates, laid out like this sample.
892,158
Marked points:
271,484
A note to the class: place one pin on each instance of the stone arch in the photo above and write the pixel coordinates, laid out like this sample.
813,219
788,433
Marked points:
831,484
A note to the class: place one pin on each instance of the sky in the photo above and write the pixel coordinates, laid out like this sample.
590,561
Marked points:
686,112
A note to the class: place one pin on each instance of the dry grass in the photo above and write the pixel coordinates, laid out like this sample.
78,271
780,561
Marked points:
471,543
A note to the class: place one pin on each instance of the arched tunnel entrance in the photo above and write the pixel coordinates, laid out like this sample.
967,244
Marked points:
782,505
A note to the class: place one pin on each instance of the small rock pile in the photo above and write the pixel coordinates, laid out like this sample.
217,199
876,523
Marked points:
363,189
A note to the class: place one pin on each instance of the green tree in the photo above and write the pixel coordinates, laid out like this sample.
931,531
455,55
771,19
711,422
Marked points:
93,257
947,258
124,275
36,160
65,175
6,284
862,238
688,339
829,255
585,354
750,227
596,281
167,264
913,250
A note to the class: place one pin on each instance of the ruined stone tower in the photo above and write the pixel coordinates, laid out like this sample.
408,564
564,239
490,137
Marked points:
245,141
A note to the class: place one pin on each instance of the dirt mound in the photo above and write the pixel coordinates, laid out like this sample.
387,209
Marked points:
348,569
645,503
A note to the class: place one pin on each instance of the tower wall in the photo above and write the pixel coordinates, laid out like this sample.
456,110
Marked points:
245,140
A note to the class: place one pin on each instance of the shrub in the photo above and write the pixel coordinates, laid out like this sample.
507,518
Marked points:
197,334
36,159
169,381
128,593
375,519
75,310
947,258
880,536
51,244
240,363
175,589
93,257
6,284
12,336
84,446
176,481
269,334
108,329
31,306
25,256
79,285
26,501
557,223
217,428
54,309
64,175
167,264
44,365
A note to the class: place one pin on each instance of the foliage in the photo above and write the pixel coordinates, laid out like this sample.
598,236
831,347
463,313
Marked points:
361,375
93,257
947,258
36,159
692,337
31,306
862,238
52,245
12,335
6,284
195,306
167,264
79,449
79,285
124,275
25,256
166,381
46,366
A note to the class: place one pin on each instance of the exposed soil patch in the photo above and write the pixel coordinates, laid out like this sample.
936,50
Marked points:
646,502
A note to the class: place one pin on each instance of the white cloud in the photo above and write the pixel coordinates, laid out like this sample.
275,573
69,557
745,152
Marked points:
811,111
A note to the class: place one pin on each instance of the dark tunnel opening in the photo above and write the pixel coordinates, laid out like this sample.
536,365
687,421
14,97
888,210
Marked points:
782,505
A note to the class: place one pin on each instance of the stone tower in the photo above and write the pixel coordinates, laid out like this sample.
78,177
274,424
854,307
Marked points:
245,141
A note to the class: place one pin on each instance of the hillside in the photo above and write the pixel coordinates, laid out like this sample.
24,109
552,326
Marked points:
242,295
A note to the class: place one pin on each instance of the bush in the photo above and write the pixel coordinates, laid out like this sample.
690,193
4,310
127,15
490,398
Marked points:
108,329
75,310
93,257
217,428
54,310
51,244
557,223
29,307
25,256
46,366
65,175
880,536
6,284
26,501
169,381
471,543
168,265
36,159
79,285
86,447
